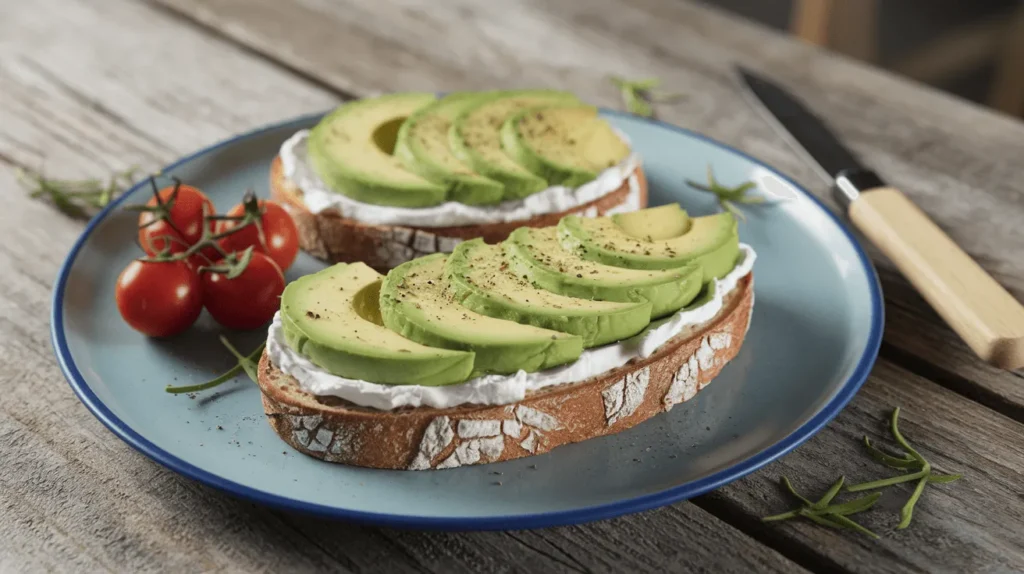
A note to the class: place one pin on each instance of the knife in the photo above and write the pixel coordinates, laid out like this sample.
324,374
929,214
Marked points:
980,310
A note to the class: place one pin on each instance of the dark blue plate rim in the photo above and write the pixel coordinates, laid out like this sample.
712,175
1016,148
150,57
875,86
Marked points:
537,520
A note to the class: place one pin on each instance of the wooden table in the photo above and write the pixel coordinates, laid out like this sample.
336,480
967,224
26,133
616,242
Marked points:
92,86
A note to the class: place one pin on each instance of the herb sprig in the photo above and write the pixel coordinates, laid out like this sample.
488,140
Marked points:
246,364
76,198
639,95
837,515
728,197
911,459
827,514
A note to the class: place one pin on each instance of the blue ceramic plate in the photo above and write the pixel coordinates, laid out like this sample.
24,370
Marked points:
815,334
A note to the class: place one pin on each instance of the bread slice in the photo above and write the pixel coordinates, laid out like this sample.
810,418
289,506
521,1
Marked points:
424,438
333,238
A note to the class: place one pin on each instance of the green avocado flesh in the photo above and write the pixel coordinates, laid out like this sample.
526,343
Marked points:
565,145
422,147
351,150
711,241
537,254
416,302
475,138
414,150
654,223
533,302
482,280
332,318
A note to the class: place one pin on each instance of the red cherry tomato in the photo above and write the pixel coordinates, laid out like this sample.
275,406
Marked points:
159,299
184,224
247,301
282,238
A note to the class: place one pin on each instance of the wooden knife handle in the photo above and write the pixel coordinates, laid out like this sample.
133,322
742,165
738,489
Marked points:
980,310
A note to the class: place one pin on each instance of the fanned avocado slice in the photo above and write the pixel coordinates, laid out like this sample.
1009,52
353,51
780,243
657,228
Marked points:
422,147
537,254
654,223
351,150
332,318
711,241
483,281
475,138
565,145
416,302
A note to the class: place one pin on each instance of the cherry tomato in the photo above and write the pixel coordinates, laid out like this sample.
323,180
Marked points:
159,299
184,224
247,301
282,239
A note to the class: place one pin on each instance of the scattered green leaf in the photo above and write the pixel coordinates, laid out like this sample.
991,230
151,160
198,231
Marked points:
835,515
639,95
728,197
911,459
825,513
77,198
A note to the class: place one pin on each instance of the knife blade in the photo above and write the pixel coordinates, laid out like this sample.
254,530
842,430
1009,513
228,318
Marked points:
980,310
810,137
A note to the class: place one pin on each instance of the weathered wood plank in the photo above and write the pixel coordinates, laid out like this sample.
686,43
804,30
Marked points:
78,499
974,525
958,161
677,538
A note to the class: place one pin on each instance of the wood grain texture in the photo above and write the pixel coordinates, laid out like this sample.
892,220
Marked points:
94,85
988,318
82,95
958,162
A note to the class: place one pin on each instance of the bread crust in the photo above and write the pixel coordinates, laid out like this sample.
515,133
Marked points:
424,438
333,238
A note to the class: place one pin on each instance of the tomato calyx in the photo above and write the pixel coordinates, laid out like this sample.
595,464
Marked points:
162,210
252,214
232,265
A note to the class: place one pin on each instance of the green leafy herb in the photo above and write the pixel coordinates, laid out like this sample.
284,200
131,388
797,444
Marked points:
639,95
246,364
728,197
911,459
835,515
827,514
76,198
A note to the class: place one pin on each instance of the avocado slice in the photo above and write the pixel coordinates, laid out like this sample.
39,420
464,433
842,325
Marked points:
565,145
482,280
654,223
536,253
351,150
712,241
475,138
332,318
416,302
422,147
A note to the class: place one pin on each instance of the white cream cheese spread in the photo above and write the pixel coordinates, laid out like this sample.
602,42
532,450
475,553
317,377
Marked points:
502,389
319,197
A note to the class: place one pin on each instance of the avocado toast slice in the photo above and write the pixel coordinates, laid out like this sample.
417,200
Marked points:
421,438
392,361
